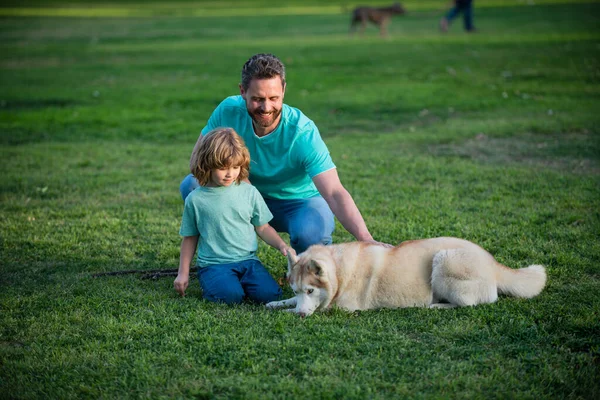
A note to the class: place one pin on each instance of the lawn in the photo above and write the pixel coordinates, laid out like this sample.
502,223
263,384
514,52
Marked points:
493,137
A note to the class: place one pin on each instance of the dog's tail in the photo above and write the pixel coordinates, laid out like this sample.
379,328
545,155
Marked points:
525,282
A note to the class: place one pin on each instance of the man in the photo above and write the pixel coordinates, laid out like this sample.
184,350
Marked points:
459,6
290,164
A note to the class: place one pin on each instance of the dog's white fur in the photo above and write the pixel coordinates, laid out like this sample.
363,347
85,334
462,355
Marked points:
439,272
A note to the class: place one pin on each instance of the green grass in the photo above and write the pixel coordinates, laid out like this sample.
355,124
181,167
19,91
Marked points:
492,137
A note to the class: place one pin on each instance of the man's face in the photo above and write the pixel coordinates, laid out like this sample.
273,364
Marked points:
264,100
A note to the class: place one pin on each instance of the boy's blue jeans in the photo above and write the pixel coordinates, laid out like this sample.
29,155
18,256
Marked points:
308,221
231,283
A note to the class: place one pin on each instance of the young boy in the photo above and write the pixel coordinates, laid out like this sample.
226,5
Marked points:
221,219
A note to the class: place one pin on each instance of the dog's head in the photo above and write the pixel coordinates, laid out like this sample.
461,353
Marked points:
308,275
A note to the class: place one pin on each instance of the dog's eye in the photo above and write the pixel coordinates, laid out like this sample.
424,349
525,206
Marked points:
309,291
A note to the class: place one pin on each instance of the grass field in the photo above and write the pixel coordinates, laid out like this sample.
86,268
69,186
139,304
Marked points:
493,137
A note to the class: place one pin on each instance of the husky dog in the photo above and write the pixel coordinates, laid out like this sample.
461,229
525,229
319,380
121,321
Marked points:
379,16
440,272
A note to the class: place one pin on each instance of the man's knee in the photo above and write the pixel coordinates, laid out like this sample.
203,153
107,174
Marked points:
188,184
306,239
314,230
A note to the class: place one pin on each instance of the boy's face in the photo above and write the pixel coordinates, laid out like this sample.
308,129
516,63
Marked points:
223,177
264,100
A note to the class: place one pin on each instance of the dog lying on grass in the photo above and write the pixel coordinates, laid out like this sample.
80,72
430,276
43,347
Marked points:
379,16
438,273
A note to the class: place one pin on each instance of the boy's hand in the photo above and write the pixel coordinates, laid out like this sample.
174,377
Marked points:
284,250
180,284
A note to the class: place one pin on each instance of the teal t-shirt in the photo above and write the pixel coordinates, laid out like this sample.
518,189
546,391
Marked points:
224,218
283,162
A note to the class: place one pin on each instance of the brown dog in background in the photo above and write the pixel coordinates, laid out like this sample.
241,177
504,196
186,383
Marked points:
380,16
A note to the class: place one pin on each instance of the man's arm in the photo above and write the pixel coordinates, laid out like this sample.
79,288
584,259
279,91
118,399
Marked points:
341,203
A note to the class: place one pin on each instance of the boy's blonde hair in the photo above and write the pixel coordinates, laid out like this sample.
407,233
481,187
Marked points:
220,148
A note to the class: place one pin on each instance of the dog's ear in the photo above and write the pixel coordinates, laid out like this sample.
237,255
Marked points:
315,266
292,259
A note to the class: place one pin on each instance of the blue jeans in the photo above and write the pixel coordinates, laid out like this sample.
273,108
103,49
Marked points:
467,11
308,221
231,283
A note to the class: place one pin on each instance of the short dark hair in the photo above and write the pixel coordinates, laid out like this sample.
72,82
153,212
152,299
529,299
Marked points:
262,66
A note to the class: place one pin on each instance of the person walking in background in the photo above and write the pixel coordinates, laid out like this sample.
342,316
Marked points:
291,165
221,219
459,6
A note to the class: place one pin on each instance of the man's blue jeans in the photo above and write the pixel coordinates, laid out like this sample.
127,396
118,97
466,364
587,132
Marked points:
232,283
308,221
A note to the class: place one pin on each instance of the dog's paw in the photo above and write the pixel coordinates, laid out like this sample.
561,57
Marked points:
273,305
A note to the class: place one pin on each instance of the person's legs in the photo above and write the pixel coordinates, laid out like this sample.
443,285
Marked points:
308,221
257,282
221,283
468,18
188,184
447,19
452,13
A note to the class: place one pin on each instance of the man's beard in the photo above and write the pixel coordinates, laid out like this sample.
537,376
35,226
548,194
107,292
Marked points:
264,123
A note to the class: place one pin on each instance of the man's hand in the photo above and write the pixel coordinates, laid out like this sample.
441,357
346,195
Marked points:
181,284
389,246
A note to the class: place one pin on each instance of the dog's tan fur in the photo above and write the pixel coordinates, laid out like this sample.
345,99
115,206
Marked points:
439,272
380,16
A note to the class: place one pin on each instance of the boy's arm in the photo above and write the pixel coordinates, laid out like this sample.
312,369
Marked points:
270,236
188,248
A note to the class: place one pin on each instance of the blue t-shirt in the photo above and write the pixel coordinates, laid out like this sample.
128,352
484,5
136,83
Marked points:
283,162
224,219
